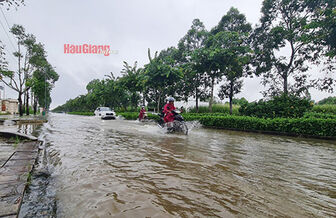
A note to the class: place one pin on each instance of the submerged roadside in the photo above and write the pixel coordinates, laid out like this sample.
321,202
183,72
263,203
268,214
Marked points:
310,127
18,156
19,152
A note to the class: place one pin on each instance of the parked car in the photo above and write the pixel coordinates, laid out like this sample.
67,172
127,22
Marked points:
105,113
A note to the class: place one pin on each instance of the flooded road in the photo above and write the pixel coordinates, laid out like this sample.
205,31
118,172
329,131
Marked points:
128,169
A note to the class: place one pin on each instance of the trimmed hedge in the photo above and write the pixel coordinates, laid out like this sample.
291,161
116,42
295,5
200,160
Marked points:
217,108
312,125
135,115
285,106
326,108
82,113
295,126
319,115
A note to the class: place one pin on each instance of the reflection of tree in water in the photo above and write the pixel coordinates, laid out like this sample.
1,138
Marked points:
29,129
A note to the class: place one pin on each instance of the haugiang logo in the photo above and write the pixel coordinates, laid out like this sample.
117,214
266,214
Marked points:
88,49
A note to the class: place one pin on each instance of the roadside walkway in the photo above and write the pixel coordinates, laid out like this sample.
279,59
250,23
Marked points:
18,154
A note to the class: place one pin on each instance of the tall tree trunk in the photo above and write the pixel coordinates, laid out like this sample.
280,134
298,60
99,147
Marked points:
143,98
27,102
285,77
212,94
20,104
158,103
35,105
231,96
196,95
24,102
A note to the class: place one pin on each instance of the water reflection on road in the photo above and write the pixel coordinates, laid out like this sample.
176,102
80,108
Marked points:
129,169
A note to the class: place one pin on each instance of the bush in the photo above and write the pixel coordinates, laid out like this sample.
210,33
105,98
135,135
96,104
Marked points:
297,126
309,126
135,115
280,106
239,101
82,113
319,115
327,108
329,100
217,108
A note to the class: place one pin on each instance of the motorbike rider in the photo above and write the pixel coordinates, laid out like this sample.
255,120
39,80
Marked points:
142,113
167,110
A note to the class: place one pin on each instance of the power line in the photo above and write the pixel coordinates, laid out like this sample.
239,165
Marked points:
10,41
11,55
7,36
5,18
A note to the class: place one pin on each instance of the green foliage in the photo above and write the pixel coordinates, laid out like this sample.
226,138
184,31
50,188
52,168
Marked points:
217,108
225,55
279,106
82,113
329,100
34,74
309,126
283,27
298,126
323,23
162,74
135,115
129,115
328,109
240,101
319,115
42,82
193,83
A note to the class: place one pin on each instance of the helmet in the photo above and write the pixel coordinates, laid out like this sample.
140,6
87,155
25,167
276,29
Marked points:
143,106
170,99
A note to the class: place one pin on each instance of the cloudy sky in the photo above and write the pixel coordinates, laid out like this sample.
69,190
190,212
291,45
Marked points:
130,27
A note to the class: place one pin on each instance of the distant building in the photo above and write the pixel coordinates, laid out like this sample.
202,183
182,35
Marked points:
9,106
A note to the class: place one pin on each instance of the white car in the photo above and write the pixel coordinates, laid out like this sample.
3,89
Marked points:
105,113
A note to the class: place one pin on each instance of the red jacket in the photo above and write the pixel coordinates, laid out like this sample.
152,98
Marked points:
169,117
141,115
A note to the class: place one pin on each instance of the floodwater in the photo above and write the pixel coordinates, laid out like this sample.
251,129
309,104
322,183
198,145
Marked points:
118,168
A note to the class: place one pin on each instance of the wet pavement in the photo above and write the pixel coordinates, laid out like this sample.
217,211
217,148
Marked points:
117,168
17,158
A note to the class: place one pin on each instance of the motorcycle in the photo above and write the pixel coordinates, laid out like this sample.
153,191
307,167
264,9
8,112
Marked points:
178,125
144,118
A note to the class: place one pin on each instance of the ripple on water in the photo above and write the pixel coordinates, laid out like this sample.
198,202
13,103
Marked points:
130,169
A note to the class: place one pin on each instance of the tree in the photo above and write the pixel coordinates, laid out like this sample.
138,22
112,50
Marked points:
324,30
131,82
193,76
31,58
3,62
231,52
283,28
323,22
329,100
11,3
240,101
17,79
41,83
162,75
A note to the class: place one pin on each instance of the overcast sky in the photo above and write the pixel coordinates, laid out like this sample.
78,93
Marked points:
128,26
